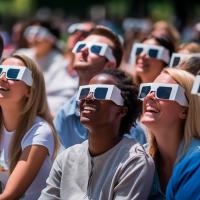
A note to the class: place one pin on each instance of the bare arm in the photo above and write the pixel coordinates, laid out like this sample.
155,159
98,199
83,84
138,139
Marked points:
25,171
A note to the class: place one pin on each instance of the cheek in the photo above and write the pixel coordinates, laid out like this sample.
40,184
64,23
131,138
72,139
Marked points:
172,111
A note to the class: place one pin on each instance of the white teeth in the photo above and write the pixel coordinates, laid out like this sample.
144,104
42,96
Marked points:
3,89
89,108
150,109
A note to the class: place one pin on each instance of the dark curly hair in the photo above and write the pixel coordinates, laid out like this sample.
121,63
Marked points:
129,92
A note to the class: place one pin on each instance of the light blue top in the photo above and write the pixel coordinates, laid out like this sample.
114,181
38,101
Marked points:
71,131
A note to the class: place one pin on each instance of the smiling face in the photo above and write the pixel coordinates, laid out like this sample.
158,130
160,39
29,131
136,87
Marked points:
162,113
96,114
148,68
12,92
89,63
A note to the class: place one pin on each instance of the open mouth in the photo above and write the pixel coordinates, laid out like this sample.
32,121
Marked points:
152,110
4,89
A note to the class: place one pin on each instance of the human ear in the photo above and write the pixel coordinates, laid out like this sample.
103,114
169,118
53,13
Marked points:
109,64
28,92
183,113
123,111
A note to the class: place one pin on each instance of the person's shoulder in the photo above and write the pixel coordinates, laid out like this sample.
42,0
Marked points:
68,107
40,127
74,151
191,159
135,149
193,151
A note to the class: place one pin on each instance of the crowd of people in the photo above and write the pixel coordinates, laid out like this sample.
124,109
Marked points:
89,122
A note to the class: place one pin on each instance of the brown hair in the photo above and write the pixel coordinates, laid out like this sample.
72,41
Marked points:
117,45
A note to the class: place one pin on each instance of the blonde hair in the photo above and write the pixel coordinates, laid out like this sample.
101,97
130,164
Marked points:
191,125
191,47
169,28
35,105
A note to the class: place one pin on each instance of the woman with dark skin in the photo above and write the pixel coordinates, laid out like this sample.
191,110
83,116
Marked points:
108,165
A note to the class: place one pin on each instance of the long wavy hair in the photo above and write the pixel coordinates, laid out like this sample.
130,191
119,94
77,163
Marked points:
191,126
35,105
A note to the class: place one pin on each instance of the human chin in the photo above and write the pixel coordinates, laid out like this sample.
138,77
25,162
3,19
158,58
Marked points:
149,118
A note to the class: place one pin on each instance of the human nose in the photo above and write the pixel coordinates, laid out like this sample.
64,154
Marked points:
151,95
3,77
85,50
90,96
143,54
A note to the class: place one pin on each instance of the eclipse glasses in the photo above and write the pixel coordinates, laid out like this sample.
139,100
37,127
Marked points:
100,49
177,58
164,91
101,92
152,51
17,73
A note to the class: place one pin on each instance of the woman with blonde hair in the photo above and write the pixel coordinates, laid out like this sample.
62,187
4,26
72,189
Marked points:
171,114
28,141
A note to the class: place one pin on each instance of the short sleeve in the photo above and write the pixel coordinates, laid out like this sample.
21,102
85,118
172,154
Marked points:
39,134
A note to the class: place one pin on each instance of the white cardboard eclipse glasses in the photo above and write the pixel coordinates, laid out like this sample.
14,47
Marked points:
153,51
177,58
101,92
164,91
97,48
17,73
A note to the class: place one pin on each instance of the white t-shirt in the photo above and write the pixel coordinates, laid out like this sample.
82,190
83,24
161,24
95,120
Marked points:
39,134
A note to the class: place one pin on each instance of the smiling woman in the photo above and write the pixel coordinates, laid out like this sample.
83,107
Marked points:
26,129
108,165
172,120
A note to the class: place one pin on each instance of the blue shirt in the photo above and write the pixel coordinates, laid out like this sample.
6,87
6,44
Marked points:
71,131
185,180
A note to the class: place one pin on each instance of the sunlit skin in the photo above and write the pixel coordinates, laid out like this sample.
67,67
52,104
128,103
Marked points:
165,119
148,68
12,93
102,118
88,64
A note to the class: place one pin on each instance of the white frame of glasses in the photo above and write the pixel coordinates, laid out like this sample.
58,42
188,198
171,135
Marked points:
24,75
106,51
113,94
177,93
183,57
196,86
163,53
38,32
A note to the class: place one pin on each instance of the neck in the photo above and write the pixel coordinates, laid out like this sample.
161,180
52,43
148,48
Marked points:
83,80
10,119
168,143
146,79
101,140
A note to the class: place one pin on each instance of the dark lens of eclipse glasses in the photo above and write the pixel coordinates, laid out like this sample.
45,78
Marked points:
144,91
176,61
163,92
153,53
100,93
12,73
84,92
138,51
80,47
96,49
